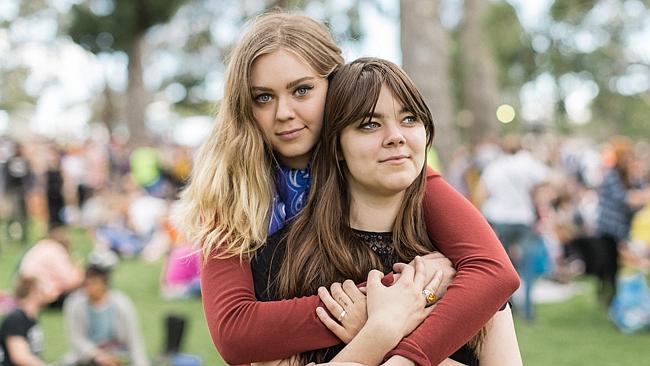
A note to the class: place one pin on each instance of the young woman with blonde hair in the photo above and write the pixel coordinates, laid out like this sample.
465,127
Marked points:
252,174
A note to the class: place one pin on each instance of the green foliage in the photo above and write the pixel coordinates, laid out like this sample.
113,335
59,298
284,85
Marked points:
511,46
120,27
12,94
613,111
570,10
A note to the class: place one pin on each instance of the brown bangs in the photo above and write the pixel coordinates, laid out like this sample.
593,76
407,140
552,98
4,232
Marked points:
354,90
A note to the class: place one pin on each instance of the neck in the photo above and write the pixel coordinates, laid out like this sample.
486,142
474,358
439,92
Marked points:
299,162
30,307
374,213
98,301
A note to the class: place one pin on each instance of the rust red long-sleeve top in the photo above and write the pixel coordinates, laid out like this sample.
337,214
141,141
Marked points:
245,330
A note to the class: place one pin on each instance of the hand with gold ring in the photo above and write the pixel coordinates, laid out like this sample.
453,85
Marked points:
347,306
398,309
433,262
429,296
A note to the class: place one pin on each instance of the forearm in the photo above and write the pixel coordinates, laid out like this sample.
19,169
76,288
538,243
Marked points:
638,197
20,353
369,346
485,277
245,330
27,360
81,345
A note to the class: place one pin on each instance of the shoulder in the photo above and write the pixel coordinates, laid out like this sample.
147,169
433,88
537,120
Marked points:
432,174
16,323
121,300
75,299
14,316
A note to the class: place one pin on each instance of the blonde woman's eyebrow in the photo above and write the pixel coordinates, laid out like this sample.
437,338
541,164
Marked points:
294,83
260,88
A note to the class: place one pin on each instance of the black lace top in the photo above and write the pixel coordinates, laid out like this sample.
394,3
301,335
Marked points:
381,244
268,261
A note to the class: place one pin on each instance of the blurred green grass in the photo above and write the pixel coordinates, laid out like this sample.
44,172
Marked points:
573,333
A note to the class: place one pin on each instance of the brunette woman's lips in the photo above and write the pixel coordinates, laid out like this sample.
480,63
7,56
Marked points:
289,135
395,159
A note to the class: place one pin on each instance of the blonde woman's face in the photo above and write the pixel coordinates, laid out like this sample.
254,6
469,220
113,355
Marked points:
288,103
384,155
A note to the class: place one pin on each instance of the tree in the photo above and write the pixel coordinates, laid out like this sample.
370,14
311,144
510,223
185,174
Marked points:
479,72
122,26
425,57
596,42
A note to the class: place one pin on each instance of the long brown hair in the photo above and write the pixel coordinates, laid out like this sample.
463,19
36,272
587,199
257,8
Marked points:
321,247
225,206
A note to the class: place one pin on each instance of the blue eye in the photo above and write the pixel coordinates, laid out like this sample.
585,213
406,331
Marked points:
371,125
263,98
302,90
410,120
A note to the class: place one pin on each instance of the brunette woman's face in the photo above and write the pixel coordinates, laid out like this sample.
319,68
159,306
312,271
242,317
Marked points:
385,154
288,102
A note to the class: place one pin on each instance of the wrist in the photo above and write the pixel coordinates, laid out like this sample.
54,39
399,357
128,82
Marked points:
382,332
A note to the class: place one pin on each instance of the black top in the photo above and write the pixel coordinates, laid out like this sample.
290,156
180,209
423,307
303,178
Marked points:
268,261
18,324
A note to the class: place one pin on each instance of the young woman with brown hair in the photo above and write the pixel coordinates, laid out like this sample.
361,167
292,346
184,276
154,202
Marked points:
367,214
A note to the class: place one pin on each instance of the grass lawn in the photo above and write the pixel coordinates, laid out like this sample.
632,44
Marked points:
576,332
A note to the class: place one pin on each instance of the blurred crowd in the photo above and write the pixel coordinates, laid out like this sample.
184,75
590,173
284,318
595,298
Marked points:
562,207
122,196
565,208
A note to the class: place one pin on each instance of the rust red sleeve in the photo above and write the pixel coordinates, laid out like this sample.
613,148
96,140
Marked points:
485,277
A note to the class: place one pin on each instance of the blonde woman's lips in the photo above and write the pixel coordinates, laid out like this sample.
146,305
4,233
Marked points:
289,135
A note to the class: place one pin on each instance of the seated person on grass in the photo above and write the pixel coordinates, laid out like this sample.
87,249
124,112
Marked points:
102,325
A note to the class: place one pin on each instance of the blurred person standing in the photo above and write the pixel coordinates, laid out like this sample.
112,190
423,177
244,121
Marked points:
507,192
54,188
21,338
18,179
620,196
146,170
102,324
507,185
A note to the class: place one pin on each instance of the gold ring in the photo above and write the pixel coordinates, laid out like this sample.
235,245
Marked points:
342,315
429,296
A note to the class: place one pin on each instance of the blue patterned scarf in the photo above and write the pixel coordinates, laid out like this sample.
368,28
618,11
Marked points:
292,188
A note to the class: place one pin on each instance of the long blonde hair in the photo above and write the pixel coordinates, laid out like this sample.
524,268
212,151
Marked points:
225,207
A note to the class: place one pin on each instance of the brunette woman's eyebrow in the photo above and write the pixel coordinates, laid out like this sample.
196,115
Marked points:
373,115
294,83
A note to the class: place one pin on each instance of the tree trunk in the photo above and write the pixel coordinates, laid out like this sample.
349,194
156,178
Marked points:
282,4
480,86
136,103
108,114
425,57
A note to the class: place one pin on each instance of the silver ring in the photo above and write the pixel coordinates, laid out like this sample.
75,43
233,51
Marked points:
342,315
